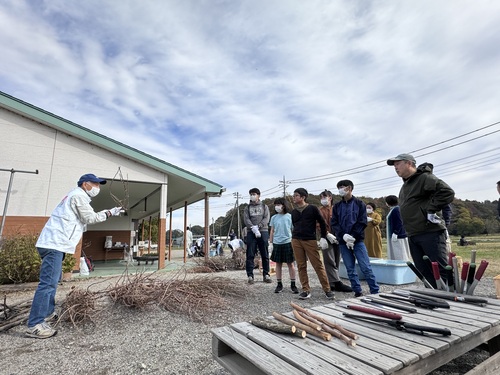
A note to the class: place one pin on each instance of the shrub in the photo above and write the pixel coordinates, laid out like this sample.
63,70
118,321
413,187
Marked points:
19,259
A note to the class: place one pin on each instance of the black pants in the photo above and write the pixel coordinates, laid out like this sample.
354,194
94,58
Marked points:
432,244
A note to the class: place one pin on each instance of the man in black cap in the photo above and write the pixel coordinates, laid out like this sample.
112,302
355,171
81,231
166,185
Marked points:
59,236
421,197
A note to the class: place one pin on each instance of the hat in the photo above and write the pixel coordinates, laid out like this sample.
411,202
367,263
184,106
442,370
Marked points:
254,191
89,177
401,157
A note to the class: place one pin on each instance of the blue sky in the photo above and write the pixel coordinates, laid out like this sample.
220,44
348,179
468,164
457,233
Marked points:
246,92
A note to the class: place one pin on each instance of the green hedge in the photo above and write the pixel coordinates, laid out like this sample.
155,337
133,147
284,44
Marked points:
19,259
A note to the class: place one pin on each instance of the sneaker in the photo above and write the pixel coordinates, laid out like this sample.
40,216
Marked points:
340,287
41,331
267,279
295,290
250,279
329,295
358,294
52,318
305,295
278,289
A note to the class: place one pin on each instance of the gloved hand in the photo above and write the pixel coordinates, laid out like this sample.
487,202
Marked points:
349,241
433,218
323,244
115,211
256,231
369,219
270,247
330,237
394,237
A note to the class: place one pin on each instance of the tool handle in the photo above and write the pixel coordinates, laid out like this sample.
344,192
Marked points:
435,270
421,329
472,256
377,312
389,304
465,270
481,269
419,275
470,276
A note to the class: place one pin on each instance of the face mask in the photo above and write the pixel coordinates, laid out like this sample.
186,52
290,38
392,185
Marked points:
342,192
278,209
253,198
369,210
93,192
324,201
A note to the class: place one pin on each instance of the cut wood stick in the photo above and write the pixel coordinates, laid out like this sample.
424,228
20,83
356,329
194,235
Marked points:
306,321
324,335
329,323
338,335
273,325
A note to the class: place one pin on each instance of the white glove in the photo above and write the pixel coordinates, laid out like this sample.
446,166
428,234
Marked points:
323,244
255,230
330,237
348,238
433,218
349,241
115,211
270,247
394,237
369,219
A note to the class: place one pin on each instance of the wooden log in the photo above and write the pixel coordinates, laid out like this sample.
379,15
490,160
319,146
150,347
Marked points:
273,325
324,335
329,323
326,328
300,317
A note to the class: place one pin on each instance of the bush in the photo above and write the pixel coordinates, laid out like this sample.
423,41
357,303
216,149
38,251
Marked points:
19,259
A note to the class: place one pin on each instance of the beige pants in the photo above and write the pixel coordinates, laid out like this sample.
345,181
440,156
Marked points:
304,250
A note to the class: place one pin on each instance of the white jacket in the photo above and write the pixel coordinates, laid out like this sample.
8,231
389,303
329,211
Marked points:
68,221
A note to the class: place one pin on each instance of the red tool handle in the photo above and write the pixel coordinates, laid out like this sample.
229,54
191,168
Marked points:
382,313
480,270
435,270
450,258
465,271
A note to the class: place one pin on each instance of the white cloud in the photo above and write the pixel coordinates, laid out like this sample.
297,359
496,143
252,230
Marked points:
245,92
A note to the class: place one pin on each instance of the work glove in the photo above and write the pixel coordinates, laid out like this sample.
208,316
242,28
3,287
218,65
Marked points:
349,241
115,211
330,237
369,219
323,243
270,247
394,237
433,218
255,230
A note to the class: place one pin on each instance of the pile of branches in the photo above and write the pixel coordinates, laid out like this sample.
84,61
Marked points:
195,297
13,315
212,264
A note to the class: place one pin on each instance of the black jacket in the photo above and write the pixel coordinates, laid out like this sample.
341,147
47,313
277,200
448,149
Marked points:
304,223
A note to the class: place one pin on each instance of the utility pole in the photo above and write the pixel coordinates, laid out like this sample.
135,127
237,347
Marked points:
284,183
238,196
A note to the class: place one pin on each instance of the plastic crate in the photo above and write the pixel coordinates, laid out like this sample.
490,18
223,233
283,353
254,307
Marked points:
394,272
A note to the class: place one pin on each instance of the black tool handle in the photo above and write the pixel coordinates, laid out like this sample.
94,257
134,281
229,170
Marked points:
415,327
389,304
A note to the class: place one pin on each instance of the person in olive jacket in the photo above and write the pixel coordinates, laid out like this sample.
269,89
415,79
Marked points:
421,198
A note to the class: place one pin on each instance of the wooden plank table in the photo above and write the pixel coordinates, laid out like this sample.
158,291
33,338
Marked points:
380,349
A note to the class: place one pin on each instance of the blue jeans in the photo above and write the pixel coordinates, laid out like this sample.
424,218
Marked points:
252,244
360,254
45,296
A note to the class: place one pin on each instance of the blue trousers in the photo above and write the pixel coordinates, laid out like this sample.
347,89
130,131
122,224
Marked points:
45,296
360,254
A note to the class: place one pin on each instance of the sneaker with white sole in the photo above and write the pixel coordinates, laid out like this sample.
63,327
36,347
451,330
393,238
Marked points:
52,318
329,294
267,279
305,295
250,279
41,331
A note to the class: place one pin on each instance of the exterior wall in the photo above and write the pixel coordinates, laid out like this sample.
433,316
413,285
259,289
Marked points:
60,159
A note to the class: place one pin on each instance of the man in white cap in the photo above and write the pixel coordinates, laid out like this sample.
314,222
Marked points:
421,197
61,235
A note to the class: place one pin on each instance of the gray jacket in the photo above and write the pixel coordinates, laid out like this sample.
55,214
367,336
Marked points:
257,214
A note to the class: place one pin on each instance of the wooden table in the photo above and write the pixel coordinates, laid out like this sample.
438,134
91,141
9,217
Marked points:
114,248
245,349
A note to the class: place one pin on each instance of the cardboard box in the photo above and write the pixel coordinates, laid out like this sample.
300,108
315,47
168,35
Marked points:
394,272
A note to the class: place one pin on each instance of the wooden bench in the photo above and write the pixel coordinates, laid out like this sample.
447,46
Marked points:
245,349
145,258
489,367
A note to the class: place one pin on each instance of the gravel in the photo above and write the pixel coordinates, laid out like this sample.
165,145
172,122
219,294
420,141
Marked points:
154,341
